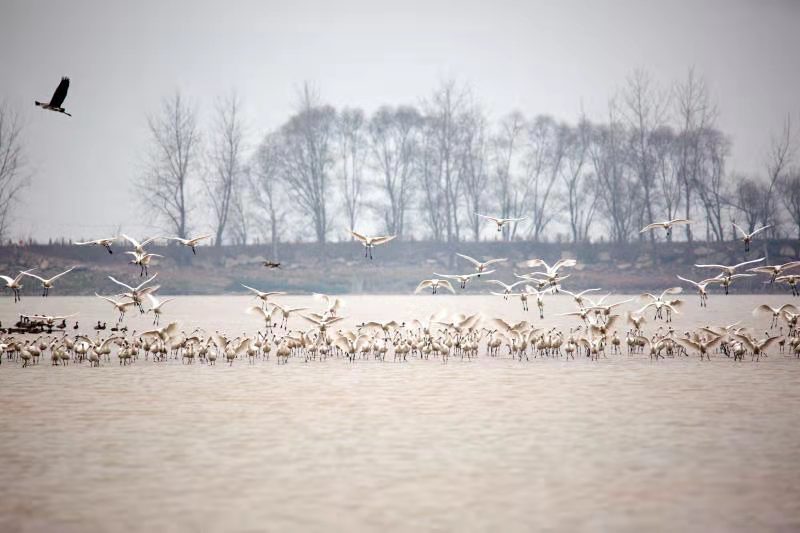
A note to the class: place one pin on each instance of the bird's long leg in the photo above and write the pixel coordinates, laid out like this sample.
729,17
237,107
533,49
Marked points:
194,252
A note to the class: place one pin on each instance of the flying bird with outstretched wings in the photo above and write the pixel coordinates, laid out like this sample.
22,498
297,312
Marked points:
57,100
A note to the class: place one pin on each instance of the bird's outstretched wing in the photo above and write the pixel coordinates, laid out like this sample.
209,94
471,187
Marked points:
470,259
649,227
59,275
60,94
493,261
423,284
759,230
358,236
677,221
446,284
384,239
487,217
740,230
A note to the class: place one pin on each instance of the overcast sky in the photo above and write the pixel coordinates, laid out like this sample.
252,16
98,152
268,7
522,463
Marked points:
536,56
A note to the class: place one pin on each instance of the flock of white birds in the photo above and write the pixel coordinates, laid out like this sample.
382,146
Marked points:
438,336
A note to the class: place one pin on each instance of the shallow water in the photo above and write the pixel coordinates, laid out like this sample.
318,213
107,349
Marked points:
491,444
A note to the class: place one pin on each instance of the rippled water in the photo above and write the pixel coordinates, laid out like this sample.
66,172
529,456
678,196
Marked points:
487,445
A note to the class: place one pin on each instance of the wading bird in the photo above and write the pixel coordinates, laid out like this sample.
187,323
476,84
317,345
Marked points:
105,243
667,225
480,266
47,284
57,100
15,284
500,222
191,243
462,278
434,284
747,238
120,305
701,287
774,270
263,296
371,242
775,312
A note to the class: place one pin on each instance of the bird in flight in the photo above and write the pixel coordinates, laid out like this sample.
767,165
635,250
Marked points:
667,225
371,242
747,238
57,100
500,222
272,264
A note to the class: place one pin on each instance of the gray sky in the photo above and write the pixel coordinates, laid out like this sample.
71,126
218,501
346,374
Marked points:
536,56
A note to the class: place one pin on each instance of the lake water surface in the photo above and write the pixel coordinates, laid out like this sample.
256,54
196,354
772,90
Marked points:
622,444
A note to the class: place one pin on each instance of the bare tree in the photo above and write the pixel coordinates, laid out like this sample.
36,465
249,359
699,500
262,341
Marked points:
546,149
223,179
696,114
14,176
240,211
352,151
711,183
789,188
394,145
779,158
167,180
749,200
428,170
444,113
507,157
308,159
665,167
616,188
474,171
580,195
645,112
265,183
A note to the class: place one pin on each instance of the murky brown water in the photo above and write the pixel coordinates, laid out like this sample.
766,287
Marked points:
488,445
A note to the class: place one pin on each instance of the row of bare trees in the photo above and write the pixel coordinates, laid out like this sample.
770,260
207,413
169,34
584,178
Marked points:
425,171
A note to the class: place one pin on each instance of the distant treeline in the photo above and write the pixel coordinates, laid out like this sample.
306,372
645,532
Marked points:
397,267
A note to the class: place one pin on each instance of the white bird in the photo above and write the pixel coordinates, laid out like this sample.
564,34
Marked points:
774,311
155,307
263,296
551,272
774,270
727,280
730,270
757,346
434,284
371,242
507,288
120,305
580,296
47,284
667,225
286,312
462,278
15,284
747,238
660,303
261,312
500,222
139,246
136,293
480,266
143,260
191,243
105,243
332,304
701,287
